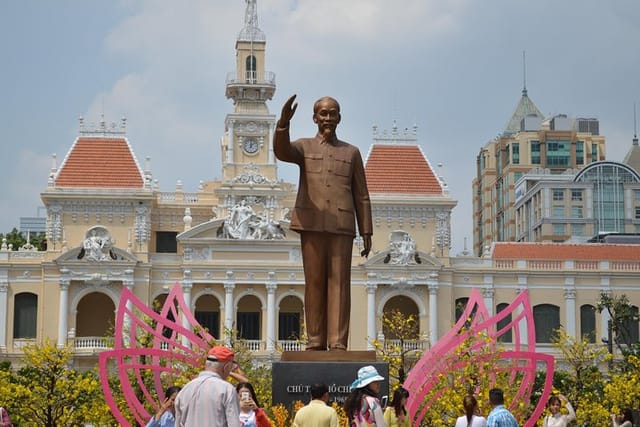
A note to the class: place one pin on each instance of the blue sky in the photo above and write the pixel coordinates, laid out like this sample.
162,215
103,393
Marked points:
452,67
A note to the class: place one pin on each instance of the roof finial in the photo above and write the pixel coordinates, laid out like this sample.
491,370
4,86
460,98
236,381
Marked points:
635,129
251,14
524,73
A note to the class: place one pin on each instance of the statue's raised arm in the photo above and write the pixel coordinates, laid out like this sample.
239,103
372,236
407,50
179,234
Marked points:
288,110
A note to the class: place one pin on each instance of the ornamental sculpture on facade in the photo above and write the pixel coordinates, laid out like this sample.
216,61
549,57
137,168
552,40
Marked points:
402,249
97,245
244,224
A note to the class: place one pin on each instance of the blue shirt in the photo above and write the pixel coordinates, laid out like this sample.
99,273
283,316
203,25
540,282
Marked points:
166,420
501,417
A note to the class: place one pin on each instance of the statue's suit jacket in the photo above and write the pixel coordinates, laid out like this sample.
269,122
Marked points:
332,190
332,193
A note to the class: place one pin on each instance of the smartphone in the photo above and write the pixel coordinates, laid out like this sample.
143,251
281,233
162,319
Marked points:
244,395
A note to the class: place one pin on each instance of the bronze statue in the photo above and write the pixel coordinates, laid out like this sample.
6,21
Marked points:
332,194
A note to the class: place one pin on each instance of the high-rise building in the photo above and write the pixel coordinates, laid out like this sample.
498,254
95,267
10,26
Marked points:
603,198
529,141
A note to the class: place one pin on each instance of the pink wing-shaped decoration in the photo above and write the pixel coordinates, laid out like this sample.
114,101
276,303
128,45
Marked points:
174,346
520,363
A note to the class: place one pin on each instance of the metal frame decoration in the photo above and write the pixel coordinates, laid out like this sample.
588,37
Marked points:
175,347
520,363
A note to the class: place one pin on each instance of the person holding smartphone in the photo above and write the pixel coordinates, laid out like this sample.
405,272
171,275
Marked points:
165,415
251,414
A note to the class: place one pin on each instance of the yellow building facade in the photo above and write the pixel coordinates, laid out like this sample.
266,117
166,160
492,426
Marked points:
228,244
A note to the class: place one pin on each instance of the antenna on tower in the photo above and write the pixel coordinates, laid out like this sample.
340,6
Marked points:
635,128
524,73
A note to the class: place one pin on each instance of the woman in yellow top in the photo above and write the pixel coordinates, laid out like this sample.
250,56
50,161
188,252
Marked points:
396,414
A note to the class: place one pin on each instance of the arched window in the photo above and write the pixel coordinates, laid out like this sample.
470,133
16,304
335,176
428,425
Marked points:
208,314
248,318
158,304
251,69
588,322
290,317
407,308
629,329
547,320
25,315
506,336
461,304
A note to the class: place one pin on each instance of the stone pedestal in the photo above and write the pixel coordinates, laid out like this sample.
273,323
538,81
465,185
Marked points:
297,371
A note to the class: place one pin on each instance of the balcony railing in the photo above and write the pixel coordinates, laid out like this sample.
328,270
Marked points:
92,343
290,345
20,343
254,345
407,345
268,78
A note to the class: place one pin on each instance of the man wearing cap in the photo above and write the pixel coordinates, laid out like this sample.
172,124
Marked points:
209,400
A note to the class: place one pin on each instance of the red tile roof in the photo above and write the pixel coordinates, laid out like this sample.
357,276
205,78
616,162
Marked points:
100,162
400,169
566,251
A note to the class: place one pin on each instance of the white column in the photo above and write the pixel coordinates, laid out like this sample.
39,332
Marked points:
524,331
129,284
488,292
187,284
269,137
433,308
570,306
231,142
4,309
271,286
371,310
604,315
487,296
229,286
63,308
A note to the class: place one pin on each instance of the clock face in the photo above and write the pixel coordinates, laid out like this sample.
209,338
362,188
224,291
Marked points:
250,145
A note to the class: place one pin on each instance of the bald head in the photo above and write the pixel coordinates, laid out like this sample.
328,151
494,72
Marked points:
324,101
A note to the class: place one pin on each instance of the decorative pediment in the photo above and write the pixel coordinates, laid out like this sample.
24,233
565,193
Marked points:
422,260
76,255
202,231
402,252
240,226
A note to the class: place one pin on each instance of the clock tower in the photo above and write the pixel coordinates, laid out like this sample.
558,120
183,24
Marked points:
247,146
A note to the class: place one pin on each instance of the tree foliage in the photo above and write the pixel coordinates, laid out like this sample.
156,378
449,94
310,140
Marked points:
398,353
470,369
46,392
584,380
16,239
622,316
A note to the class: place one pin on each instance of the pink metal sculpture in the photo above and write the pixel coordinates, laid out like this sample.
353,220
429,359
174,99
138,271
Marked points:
174,347
520,363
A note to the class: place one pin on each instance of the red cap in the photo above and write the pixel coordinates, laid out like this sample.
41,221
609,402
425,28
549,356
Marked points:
220,353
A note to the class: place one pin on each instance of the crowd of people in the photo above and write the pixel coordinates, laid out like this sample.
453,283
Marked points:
209,399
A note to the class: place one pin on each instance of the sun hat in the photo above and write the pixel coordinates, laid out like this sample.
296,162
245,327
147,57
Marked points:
366,375
220,353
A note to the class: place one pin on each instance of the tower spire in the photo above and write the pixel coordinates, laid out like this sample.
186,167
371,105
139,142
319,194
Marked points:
251,14
524,73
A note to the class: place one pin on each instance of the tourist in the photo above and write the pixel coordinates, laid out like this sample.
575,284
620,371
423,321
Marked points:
362,405
165,417
557,418
251,414
396,413
471,417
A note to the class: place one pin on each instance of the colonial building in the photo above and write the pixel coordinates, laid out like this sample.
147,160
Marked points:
229,245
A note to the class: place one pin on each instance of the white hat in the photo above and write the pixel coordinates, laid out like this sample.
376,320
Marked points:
366,375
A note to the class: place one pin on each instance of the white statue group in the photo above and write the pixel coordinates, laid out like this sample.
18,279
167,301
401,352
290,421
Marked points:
243,223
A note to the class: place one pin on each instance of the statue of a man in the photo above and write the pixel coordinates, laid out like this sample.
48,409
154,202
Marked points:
251,14
332,194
